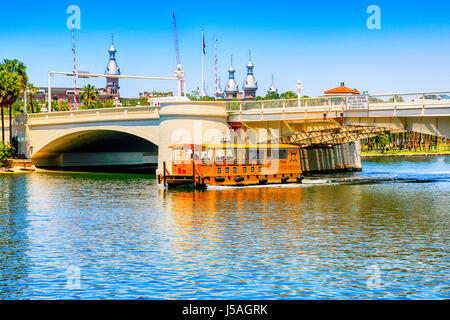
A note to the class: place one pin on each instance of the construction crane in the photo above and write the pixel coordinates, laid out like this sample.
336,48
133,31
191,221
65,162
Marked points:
175,37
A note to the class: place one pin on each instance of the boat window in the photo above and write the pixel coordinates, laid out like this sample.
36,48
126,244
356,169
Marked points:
182,154
220,155
197,155
207,154
284,154
231,155
253,154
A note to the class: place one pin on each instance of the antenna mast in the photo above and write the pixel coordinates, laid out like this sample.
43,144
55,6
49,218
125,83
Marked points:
175,39
74,67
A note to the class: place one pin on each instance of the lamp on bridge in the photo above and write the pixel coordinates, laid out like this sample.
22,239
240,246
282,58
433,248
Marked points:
299,88
180,75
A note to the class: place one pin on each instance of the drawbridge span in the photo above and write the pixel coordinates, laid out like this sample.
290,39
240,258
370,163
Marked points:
334,120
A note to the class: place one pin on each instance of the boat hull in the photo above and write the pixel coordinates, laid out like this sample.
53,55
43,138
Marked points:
202,182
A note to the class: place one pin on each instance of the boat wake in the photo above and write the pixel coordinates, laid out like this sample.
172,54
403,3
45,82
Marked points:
315,181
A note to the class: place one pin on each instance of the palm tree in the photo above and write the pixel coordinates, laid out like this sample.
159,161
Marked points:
89,94
10,90
18,68
31,90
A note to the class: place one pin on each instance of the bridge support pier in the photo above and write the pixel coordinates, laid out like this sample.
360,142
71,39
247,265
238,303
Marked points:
344,157
182,123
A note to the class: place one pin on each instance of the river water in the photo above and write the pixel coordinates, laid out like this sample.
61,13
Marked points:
380,233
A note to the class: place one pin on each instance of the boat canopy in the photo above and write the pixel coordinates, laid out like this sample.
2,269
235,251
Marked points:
233,146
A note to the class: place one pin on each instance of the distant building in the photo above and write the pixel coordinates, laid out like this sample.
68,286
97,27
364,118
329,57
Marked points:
341,90
67,94
250,84
232,89
112,84
154,94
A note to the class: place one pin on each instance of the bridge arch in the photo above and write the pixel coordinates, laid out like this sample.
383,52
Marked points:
95,146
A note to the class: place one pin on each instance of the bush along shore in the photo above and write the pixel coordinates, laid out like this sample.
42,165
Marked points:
405,153
12,162
405,144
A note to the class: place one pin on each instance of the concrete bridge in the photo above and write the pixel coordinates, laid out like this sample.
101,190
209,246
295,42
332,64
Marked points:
335,120
330,127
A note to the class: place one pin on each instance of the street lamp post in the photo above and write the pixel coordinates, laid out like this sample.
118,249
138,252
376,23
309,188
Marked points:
179,74
299,88
49,93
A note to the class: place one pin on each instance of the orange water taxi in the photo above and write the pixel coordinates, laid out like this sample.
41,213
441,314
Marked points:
195,165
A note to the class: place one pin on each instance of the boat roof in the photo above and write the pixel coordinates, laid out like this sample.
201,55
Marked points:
236,146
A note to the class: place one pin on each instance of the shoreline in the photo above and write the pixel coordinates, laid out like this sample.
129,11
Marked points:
404,155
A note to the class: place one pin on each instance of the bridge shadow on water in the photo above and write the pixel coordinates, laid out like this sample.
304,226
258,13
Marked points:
124,169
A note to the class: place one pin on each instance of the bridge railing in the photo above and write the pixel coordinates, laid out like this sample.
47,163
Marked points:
320,102
394,100
411,99
74,114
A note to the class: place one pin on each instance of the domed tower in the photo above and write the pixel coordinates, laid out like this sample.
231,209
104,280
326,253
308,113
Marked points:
250,84
232,89
272,88
112,84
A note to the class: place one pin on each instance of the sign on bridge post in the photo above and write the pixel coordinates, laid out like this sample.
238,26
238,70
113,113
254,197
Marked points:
357,102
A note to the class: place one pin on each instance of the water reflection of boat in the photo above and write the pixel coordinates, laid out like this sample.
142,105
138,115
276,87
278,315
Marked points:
232,165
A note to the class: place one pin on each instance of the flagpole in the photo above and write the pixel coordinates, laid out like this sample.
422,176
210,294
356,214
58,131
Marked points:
203,53
215,63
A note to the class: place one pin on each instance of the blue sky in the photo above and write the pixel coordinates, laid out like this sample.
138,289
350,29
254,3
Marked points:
319,42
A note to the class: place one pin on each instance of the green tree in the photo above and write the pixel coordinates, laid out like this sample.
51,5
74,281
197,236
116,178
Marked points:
5,152
34,106
194,95
289,95
97,104
88,95
398,99
63,106
108,104
10,89
54,105
17,68
31,90
143,101
128,102
17,107
272,96
382,141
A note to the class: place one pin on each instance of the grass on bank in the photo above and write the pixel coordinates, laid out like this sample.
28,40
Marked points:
369,153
